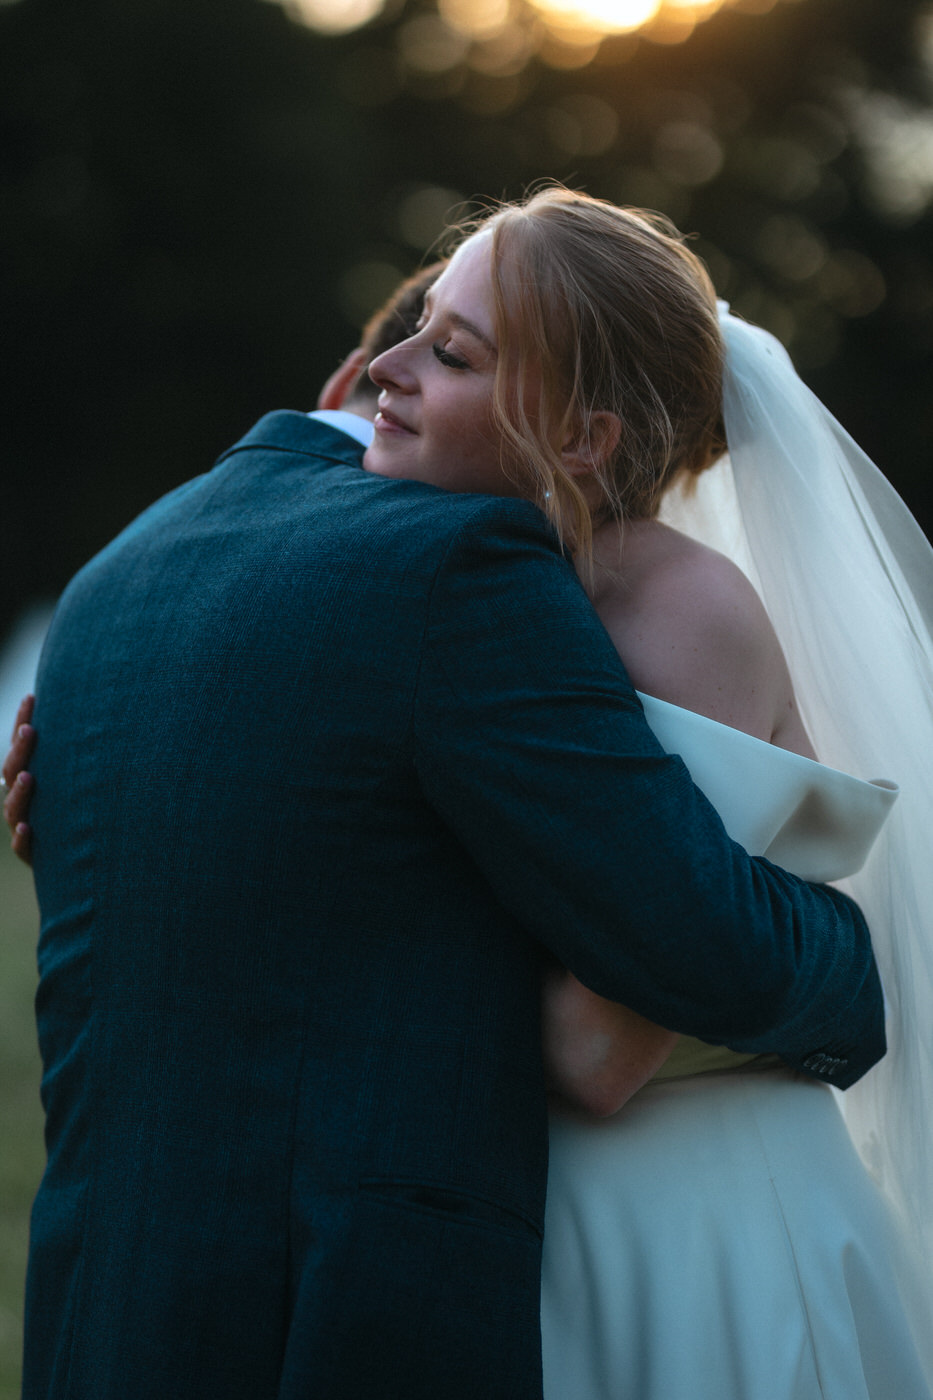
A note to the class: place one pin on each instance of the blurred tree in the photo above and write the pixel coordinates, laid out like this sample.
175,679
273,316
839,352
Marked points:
179,188
199,204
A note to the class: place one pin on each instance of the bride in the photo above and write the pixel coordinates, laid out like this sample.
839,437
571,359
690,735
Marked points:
712,1232
717,1237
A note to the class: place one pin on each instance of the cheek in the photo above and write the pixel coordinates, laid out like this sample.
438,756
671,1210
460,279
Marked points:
467,422
482,415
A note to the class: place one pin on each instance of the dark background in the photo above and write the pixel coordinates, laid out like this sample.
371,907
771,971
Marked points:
201,201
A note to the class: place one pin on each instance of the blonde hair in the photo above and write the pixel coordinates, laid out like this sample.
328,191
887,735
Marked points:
606,310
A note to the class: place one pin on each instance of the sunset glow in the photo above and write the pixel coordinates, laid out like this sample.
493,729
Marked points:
599,16
581,22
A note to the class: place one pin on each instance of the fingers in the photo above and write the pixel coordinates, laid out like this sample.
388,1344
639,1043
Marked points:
23,714
21,746
16,803
22,842
19,782
15,811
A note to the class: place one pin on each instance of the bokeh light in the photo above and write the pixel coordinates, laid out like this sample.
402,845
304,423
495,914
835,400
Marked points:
564,33
429,45
896,136
586,17
423,212
333,16
478,19
366,285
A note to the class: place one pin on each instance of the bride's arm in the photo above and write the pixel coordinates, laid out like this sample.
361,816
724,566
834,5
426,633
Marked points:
597,1054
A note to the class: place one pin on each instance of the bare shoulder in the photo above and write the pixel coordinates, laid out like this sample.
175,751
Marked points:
692,630
706,600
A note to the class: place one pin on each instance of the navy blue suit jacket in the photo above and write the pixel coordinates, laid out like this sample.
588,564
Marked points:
327,762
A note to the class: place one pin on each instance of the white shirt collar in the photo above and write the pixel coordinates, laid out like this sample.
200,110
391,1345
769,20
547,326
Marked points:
350,423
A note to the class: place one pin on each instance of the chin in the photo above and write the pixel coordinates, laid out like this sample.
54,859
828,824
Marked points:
388,464
374,461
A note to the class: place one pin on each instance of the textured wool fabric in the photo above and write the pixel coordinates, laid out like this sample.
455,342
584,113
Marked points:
326,760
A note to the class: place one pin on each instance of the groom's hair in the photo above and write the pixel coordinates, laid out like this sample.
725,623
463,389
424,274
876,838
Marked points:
395,321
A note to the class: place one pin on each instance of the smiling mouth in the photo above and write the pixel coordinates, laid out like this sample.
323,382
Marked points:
387,422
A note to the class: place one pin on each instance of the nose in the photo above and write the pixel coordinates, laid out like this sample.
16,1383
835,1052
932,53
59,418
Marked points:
394,368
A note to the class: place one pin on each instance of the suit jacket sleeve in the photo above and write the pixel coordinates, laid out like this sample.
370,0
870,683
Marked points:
531,744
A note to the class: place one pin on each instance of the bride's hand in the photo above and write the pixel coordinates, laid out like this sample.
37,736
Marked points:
597,1053
18,782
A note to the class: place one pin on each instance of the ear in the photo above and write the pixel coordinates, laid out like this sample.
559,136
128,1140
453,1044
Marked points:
584,452
342,380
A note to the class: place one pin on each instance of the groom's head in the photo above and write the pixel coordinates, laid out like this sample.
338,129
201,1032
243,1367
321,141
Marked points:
350,386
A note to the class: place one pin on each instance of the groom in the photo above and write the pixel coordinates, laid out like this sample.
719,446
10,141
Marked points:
329,763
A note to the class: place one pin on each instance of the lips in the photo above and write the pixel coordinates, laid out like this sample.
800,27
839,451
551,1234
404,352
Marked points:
388,422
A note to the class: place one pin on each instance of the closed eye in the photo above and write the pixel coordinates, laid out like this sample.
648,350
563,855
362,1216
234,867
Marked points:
445,358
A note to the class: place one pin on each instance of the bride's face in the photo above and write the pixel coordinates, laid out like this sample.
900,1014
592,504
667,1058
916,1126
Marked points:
435,420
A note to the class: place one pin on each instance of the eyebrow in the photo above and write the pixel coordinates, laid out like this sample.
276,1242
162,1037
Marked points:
463,324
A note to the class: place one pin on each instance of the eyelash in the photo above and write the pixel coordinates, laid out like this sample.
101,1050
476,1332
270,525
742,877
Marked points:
445,358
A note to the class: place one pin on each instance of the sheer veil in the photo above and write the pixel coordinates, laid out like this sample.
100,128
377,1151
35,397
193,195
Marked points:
847,578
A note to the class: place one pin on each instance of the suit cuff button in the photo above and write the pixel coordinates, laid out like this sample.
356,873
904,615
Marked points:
824,1066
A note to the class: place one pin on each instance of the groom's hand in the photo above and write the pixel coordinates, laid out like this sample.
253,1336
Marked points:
18,782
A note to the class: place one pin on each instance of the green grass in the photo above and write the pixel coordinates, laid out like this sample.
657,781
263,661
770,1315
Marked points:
21,1150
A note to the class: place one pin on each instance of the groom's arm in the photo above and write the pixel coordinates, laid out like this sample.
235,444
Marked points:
532,745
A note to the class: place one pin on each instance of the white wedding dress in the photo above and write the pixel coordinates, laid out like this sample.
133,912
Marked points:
719,1238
